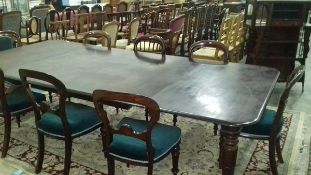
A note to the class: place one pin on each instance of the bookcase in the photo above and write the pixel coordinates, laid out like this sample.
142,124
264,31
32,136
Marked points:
279,34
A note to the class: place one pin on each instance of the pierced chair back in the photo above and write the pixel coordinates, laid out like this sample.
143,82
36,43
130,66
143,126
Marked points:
162,18
120,141
40,12
49,23
98,36
33,30
9,39
206,51
112,29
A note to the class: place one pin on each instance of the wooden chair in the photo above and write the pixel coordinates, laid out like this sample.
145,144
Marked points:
122,6
162,18
9,39
108,8
206,51
112,29
176,25
65,122
49,23
11,21
33,31
135,141
131,34
13,102
83,9
97,36
270,125
82,26
40,12
167,35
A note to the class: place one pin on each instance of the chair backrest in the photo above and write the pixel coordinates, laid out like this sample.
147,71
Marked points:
11,21
133,29
96,8
150,43
98,37
82,23
112,29
219,52
108,8
162,18
83,9
122,6
177,23
100,97
4,108
51,17
31,75
295,76
68,14
40,11
9,39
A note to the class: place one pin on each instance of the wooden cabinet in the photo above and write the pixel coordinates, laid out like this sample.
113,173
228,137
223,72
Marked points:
279,35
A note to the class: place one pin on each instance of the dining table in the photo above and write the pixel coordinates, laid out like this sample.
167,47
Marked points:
232,96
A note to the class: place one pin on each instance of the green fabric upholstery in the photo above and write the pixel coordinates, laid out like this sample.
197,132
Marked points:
263,127
17,100
82,119
5,43
164,138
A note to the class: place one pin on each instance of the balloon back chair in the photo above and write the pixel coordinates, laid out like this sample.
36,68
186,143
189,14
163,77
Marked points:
66,121
13,102
135,141
270,125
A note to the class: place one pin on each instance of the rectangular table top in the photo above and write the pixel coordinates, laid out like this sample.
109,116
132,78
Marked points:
233,94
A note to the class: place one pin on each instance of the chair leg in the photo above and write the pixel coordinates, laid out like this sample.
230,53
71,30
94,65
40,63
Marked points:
175,158
68,149
174,119
215,129
146,114
40,153
150,168
50,97
272,157
110,165
18,121
6,136
278,150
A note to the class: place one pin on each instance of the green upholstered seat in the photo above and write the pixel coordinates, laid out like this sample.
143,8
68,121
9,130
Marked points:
263,127
82,119
164,138
17,100
5,43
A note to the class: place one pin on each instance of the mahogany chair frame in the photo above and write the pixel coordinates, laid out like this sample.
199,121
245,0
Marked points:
102,96
101,36
147,40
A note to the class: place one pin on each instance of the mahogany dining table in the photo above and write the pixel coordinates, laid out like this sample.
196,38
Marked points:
232,95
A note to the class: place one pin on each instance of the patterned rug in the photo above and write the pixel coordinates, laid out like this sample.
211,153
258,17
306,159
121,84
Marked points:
198,156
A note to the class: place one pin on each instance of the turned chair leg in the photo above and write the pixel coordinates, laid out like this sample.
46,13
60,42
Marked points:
146,114
215,129
272,160
40,153
6,136
50,97
175,158
68,150
174,119
150,169
278,150
110,165
18,121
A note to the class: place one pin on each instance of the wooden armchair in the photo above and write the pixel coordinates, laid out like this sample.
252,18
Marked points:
96,37
112,29
130,35
33,31
150,43
135,141
11,21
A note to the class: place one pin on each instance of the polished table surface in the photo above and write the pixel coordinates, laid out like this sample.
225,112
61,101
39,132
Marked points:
231,95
